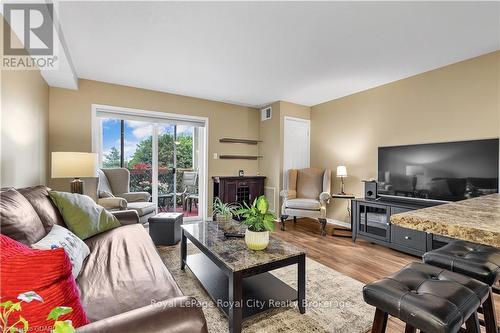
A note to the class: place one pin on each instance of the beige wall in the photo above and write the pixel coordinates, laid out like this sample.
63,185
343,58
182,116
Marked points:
271,148
24,127
456,102
70,122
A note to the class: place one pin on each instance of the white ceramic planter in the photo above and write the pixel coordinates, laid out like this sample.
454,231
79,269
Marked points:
256,240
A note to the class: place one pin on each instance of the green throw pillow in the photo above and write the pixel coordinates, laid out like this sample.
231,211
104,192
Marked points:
82,215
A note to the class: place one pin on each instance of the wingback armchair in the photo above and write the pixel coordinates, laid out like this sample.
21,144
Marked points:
113,192
307,194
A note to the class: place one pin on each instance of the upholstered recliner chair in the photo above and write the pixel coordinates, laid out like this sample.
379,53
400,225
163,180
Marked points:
307,194
113,192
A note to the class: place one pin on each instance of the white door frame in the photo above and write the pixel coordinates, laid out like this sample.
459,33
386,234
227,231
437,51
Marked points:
306,121
96,133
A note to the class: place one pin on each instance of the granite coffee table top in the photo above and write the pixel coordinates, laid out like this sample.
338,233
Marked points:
476,220
233,252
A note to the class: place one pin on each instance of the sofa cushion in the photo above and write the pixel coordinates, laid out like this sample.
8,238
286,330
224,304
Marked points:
309,183
75,248
18,219
142,208
45,272
307,204
82,215
123,272
38,196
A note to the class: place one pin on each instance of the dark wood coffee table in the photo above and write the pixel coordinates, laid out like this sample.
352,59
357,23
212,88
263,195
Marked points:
238,279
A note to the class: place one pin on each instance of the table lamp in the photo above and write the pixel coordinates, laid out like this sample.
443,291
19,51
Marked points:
74,165
341,173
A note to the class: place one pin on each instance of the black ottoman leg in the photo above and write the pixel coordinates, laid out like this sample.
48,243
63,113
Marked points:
283,219
490,320
294,219
472,324
379,322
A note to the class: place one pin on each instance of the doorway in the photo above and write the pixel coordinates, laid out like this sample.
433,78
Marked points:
296,150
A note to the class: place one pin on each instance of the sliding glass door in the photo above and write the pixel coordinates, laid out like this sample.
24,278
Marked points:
178,172
163,158
128,144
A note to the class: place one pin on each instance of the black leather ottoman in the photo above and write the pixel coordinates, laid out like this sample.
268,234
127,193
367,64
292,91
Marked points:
427,298
165,228
480,262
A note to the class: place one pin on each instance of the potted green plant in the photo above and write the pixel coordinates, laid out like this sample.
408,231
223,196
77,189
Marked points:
224,212
259,222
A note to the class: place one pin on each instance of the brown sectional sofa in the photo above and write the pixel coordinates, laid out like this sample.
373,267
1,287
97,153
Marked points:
123,275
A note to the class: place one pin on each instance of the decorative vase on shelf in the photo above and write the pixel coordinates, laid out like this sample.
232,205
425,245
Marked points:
256,240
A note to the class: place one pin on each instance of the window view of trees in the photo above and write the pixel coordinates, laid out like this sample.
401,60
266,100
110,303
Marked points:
143,153
142,156
139,158
112,158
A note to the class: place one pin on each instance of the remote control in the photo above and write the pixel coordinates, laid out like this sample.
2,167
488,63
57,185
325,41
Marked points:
234,234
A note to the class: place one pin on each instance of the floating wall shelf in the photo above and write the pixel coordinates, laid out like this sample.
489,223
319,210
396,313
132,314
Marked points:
239,157
243,141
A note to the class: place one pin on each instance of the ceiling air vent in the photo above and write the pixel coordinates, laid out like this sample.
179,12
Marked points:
266,113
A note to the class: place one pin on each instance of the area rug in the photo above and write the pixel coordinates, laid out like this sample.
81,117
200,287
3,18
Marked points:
334,301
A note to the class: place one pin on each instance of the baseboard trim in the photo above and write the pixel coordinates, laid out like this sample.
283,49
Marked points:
328,221
338,223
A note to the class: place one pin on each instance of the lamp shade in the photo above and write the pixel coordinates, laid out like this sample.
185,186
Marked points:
341,171
73,165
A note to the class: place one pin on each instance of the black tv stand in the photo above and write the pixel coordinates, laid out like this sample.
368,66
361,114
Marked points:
371,222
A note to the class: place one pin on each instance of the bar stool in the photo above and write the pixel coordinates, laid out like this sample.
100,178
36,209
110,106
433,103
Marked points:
477,261
427,298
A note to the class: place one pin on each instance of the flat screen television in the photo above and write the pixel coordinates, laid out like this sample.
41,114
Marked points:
448,171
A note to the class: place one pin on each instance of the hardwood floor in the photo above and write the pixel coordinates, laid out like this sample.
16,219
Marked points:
362,260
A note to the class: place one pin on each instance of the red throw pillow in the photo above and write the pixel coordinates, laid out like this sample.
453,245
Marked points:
47,273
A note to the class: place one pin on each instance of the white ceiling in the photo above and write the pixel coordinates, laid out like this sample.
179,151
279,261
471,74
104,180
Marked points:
256,53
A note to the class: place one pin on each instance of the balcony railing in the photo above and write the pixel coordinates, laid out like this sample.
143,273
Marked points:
141,180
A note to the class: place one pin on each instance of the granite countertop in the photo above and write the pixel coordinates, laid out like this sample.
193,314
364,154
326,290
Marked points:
476,220
233,252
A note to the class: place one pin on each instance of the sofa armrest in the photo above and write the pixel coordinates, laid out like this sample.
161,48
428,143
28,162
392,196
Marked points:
112,203
324,198
179,314
126,217
136,196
